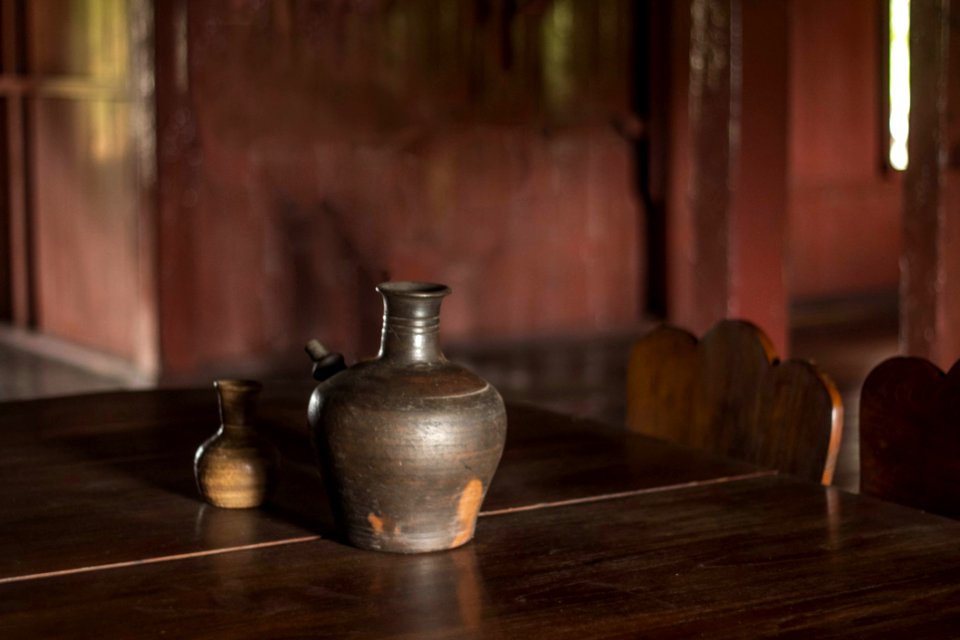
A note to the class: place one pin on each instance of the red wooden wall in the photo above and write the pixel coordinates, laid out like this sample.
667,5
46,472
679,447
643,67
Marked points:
844,217
310,150
307,150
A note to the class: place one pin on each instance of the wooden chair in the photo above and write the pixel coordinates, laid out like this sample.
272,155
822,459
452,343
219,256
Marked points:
910,435
729,394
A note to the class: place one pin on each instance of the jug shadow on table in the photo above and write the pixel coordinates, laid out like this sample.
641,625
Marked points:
298,495
159,454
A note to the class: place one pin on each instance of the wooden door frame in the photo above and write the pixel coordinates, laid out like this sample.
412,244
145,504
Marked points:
18,307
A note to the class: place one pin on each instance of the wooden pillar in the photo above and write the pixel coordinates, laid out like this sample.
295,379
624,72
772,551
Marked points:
19,265
930,278
729,169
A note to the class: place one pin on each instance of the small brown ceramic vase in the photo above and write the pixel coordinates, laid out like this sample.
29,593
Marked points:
236,466
408,442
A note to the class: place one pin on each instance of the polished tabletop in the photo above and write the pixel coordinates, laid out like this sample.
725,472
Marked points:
587,531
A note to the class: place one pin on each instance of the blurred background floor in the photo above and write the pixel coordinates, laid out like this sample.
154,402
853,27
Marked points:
580,376
26,374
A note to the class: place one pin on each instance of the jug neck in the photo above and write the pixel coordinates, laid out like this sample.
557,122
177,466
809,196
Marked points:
411,321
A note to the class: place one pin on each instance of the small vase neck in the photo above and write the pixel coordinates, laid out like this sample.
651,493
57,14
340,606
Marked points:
238,402
411,321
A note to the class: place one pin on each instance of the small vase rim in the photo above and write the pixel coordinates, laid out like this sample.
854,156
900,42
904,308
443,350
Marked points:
238,384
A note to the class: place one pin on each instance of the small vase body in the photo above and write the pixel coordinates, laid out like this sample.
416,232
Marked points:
235,467
408,442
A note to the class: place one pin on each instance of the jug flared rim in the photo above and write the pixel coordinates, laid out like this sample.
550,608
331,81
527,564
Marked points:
414,289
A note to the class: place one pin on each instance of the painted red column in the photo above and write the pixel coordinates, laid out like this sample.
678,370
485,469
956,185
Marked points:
930,277
729,169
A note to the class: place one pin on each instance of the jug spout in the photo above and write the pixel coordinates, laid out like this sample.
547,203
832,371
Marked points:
325,362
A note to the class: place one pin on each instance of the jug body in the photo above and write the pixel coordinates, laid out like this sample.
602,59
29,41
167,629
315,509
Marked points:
407,442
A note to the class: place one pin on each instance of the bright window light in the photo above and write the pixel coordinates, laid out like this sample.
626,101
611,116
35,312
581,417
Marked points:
899,82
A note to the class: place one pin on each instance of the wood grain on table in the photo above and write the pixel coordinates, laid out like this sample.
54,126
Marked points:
746,558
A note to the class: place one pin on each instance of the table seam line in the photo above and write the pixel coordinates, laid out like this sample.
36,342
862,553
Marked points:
626,494
156,559
312,538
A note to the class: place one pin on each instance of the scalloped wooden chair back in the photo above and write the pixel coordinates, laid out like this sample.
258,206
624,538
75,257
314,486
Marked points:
910,435
730,395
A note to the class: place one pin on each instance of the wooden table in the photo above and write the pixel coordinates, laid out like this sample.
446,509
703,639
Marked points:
587,531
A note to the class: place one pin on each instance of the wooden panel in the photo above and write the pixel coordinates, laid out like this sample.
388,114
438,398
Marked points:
930,291
86,217
75,468
81,172
755,558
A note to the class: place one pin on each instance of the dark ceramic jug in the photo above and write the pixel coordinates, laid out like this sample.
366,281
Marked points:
408,442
